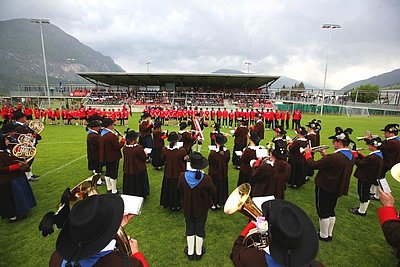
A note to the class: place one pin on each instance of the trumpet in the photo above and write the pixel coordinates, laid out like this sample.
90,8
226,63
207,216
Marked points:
239,200
315,149
37,126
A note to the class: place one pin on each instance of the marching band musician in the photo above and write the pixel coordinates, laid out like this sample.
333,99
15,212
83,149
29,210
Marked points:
218,170
391,153
110,154
270,176
280,141
214,133
198,125
331,181
158,143
145,139
92,147
21,128
249,153
240,141
136,180
297,160
80,244
187,138
312,142
291,235
259,127
16,195
368,170
175,163
197,189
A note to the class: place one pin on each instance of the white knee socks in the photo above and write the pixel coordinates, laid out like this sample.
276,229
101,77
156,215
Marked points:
113,186
108,183
332,221
323,227
190,243
363,207
199,245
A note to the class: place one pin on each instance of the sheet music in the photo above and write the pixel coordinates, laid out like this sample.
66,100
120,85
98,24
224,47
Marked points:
147,150
211,147
260,200
262,153
132,204
239,153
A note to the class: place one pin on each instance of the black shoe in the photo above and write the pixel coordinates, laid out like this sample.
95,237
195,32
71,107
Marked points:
203,251
16,219
35,176
190,257
372,197
356,212
109,191
214,208
33,179
328,239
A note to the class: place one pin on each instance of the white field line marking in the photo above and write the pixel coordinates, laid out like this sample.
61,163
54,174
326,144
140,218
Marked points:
63,166
55,143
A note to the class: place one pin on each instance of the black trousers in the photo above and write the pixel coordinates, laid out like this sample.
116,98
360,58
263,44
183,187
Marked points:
219,121
225,121
287,124
363,191
112,169
325,203
230,122
196,225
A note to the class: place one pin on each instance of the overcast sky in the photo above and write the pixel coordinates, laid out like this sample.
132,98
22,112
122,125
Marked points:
277,37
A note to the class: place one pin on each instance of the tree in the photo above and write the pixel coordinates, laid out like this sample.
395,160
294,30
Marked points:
365,93
301,85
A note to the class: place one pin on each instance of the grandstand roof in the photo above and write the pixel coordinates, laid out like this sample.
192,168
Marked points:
221,80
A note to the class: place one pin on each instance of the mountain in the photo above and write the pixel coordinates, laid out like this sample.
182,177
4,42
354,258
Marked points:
288,82
383,80
21,59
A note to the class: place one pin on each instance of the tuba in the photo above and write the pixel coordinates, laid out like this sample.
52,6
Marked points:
37,126
239,200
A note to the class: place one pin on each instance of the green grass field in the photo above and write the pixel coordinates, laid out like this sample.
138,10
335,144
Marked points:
61,162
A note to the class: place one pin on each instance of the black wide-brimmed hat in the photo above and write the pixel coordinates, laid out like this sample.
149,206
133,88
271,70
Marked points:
146,115
91,225
107,122
182,125
279,129
376,142
94,123
157,124
217,126
174,137
314,124
255,138
18,115
221,139
198,161
342,135
279,151
7,128
301,130
132,135
293,240
391,128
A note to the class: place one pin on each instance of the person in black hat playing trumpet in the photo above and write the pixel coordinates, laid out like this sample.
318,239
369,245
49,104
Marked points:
88,237
145,139
313,141
174,158
136,180
110,154
241,135
332,180
218,170
249,153
92,146
187,138
296,159
197,189
158,144
368,171
280,141
291,235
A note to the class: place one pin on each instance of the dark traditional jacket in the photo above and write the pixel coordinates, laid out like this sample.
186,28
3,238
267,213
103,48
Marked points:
174,161
312,138
187,140
109,148
247,156
241,135
6,173
369,168
158,142
391,153
134,159
294,150
113,259
270,179
92,145
145,128
390,224
259,129
218,164
334,173
197,200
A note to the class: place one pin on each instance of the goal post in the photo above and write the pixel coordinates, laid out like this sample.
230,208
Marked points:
355,111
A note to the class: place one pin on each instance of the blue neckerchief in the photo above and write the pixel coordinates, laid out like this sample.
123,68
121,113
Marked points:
91,131
105,131
379,154
89,262
191,180
347,153
270,261
397,138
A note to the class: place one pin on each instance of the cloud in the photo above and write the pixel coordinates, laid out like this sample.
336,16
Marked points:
277,37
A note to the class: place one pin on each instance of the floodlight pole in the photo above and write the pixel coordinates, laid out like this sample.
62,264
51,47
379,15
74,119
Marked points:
45,21
328,26
148,68
248,66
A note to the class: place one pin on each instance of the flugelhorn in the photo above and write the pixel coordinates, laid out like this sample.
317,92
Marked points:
37,126
240,200
315,149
